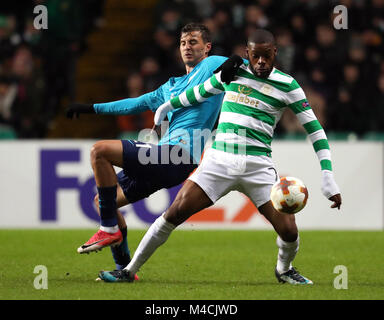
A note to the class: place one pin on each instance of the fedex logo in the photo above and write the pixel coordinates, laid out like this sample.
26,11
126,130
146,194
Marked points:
51,182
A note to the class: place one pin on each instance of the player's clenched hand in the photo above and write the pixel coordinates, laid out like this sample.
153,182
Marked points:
161,112
330,189
75,109
229,68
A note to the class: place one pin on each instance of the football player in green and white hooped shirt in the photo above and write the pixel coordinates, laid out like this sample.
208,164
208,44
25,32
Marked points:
240,157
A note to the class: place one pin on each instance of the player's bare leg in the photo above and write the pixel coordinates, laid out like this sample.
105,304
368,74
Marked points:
284,224
287,242
104,155
190,200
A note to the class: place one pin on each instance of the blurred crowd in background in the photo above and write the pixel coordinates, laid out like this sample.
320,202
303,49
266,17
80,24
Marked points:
37,66
341,71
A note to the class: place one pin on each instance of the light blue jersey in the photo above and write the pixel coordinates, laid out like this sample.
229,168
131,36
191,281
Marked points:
188,127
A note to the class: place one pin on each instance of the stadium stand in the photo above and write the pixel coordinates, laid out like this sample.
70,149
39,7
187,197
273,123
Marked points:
104,50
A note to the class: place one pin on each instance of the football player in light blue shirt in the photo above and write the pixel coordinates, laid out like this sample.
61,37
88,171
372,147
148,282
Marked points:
181,124
182,140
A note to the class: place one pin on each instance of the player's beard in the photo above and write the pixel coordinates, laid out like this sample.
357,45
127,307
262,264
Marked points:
195,61
264,74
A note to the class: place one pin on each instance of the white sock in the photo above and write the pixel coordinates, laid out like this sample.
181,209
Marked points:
155,236
110,229
287,252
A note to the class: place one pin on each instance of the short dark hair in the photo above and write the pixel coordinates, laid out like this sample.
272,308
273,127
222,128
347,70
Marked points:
261,36
205,33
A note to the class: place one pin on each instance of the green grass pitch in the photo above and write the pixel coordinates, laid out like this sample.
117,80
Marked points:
191,265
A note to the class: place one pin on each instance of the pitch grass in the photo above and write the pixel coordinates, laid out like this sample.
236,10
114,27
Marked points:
208,265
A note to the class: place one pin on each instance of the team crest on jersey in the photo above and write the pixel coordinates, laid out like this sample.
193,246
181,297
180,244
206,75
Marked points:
305,104
245,90
266,89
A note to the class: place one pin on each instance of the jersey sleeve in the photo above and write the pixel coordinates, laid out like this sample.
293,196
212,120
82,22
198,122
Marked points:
213,62
298,103
149,101
199,93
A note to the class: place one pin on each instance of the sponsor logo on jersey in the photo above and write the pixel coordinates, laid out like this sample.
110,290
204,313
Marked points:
240,98
245,90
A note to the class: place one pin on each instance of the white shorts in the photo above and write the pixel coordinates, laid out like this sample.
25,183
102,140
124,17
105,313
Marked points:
221,172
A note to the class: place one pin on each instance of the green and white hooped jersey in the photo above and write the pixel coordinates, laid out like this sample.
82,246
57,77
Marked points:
251,109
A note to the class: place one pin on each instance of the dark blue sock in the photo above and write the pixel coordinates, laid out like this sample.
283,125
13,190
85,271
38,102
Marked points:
121,253
107,206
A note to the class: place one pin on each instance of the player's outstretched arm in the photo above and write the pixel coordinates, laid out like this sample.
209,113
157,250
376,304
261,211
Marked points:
147,101
190,97
300,106
75,109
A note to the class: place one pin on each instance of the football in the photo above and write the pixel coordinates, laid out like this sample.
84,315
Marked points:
289,195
